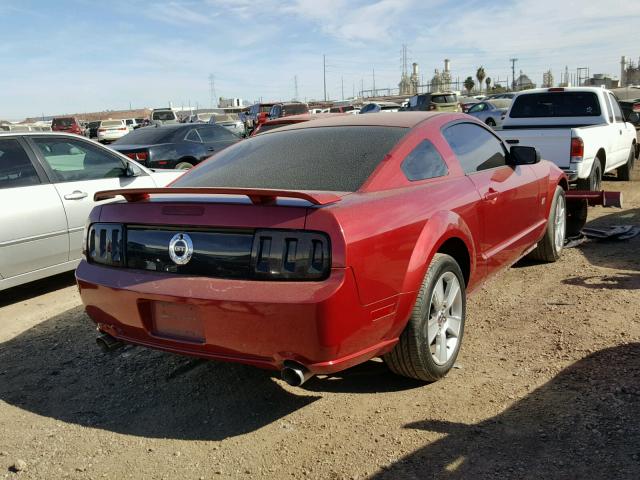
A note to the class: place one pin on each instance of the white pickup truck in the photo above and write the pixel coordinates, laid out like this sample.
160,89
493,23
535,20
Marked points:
580,129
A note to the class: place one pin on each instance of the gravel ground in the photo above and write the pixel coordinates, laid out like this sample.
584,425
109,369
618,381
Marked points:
547,386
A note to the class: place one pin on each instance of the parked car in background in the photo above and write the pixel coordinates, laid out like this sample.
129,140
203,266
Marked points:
285,109
376,107
349,237
92,129
506,95
230,121
140,122
131,123
490,112
628,107
257,113
47,184
111,130
179,146
580,129
437,101
200,117
164,116
343,109
466,103
66,125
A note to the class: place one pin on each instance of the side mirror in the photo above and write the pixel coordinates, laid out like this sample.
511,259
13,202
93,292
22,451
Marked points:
519,155
634,117
129,171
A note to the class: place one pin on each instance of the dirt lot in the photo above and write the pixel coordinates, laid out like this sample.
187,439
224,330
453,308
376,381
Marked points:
547,386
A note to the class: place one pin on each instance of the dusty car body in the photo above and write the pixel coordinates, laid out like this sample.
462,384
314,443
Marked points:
363,239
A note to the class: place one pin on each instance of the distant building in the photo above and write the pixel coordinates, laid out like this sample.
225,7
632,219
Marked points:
523,82
547,79
629,72
600,79
230,102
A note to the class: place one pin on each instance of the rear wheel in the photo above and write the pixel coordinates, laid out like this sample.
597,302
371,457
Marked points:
184,166
551,245
429,345
594,181
624,172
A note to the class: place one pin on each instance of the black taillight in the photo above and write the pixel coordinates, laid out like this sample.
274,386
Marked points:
105,244
290,255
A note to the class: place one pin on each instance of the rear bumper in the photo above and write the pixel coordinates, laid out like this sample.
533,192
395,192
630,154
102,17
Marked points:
321,325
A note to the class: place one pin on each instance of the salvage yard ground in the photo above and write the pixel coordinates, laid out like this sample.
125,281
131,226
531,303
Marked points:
547,386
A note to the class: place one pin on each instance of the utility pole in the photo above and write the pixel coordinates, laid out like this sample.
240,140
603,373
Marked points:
342,82
324,75
212,89
362,87
374,81
513,70
295,87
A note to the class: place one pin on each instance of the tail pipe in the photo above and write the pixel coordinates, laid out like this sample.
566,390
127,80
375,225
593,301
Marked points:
294,373
107,343
606,199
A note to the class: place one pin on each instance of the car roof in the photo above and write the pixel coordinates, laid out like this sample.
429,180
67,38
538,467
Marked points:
39,134
397,119
302,117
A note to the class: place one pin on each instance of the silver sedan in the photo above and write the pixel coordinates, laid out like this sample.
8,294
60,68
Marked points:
47,183
490,112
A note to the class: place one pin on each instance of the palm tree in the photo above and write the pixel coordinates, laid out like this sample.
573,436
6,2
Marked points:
480,76
488,83
469,84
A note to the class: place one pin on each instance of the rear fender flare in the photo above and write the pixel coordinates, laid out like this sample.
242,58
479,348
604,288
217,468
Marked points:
441,227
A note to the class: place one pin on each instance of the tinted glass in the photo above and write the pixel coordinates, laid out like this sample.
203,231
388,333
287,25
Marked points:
147,136
215,133
478,108
369,108
72,160
93,124
193,136
323,158
424,162
443,98
62,122
295,109
617,112
609,111
16,169
556,104
476,148
163,115
389,107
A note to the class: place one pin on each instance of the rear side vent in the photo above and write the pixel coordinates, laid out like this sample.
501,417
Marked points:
105,244
290,255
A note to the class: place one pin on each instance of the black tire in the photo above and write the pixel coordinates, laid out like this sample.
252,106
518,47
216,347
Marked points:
624,172
594,181
548,250
412,357
491,122
576,217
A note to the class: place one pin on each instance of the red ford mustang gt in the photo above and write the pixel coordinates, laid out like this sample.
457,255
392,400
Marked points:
320,245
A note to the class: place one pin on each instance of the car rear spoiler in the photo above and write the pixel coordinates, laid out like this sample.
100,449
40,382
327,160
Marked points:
258,196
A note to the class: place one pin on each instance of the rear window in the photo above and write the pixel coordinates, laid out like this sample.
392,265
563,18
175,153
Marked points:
556,104
111,123
163,115
324,158
147,135
62,122
443,98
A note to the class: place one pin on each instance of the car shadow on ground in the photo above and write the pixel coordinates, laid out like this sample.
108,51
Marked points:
56,370
584,423
39,287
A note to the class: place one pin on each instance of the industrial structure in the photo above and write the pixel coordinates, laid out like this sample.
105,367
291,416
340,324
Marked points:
629,72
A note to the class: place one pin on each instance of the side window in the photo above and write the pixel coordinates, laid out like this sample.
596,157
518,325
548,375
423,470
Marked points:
193,136
16,170
617,112
424,162
475,148
477,108
215,134
609,111
72,160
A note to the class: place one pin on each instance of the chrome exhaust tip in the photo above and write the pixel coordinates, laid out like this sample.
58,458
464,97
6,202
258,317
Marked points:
294,373
107,343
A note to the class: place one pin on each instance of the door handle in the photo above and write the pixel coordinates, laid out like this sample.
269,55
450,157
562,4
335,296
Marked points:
491,196
620,132
76,195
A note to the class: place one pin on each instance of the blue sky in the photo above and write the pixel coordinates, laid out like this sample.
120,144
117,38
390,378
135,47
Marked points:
79,55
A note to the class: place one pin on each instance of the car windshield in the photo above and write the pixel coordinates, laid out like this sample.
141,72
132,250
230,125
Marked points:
111,123
164,115
62,122
323,158
556,104
147,136
443,98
